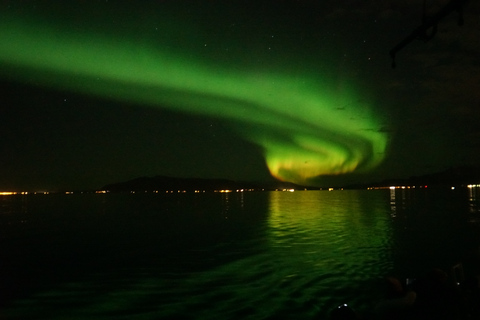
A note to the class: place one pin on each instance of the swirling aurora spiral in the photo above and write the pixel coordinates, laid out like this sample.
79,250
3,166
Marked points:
306,126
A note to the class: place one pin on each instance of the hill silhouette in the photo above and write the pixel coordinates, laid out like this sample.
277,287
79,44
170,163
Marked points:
166,183
454,176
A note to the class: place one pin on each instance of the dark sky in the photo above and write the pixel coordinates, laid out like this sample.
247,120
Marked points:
95,92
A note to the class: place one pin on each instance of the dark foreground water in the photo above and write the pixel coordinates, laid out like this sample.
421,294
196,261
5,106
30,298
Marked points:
267,255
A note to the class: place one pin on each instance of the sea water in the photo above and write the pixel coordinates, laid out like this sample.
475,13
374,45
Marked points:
239,255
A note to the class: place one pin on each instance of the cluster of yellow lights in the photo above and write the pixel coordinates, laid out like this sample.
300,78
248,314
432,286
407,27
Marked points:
413,187
238,190
9,193
203,191
395,187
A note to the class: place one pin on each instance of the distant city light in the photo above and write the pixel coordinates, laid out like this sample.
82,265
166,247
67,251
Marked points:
10,193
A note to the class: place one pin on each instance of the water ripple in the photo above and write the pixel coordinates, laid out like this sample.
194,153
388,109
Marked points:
280,255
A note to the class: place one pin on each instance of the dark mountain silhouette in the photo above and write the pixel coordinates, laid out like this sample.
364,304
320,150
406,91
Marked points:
453,176
165,183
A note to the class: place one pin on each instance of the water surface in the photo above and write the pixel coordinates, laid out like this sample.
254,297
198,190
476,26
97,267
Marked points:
256,255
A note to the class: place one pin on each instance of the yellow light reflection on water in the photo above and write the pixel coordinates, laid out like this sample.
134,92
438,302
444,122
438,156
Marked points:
345,229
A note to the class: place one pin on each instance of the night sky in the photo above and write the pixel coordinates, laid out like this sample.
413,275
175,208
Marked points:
95,92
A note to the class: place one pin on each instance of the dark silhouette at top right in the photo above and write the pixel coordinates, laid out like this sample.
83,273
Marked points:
427,23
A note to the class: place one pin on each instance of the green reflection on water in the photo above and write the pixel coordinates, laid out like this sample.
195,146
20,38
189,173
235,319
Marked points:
298,255
334,237
336,221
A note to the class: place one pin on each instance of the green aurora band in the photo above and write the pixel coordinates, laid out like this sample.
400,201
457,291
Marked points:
307,126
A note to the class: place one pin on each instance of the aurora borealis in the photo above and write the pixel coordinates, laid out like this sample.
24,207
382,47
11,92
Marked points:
295,120
276,85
